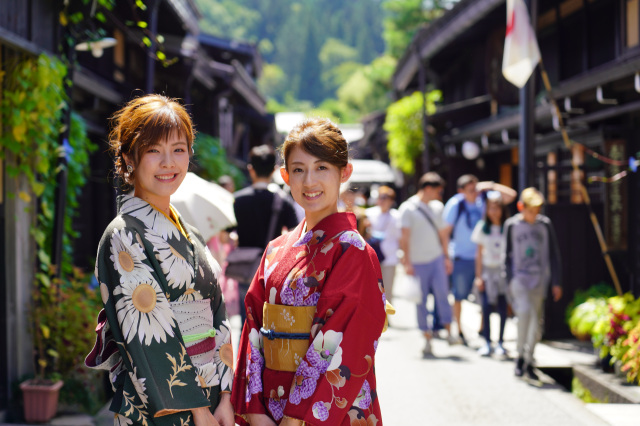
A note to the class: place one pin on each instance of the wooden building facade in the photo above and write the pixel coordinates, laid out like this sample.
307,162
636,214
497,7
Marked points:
591,51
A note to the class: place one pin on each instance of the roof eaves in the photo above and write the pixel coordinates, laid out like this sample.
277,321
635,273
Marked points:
433,38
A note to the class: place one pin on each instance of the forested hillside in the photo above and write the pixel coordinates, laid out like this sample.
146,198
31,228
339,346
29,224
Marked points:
311,41
336,55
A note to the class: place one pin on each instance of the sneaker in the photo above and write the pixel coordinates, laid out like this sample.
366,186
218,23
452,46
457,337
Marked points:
485,350
531,375
519,371
454,340
427,348
500,350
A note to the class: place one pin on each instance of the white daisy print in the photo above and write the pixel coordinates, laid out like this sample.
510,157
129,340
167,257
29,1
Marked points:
144,310
190,294
207,376
152,218
223,355
127,258
138,383
174,266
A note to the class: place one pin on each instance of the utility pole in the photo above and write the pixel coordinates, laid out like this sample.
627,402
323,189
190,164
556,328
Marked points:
527,113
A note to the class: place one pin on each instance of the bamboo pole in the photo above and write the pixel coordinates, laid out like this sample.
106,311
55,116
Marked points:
585,195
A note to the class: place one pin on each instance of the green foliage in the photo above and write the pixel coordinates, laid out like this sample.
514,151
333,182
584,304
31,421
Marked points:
578,389
403,125
273,81
212,161
610,332
599,290
631,359
585,315
32,108
405,17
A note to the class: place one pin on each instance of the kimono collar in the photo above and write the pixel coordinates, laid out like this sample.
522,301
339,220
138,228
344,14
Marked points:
331,224
152,218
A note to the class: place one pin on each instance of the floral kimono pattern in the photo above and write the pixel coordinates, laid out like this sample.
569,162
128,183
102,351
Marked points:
332,268
144,266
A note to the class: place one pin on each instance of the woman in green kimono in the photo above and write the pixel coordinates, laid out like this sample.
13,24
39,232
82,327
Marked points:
163,333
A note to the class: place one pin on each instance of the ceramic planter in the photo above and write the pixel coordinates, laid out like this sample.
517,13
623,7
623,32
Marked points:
40,400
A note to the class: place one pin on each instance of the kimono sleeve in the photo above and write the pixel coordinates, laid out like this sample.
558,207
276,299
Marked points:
160,378
335,379
247,392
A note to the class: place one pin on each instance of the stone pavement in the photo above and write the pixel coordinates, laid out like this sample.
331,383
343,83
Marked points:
456,386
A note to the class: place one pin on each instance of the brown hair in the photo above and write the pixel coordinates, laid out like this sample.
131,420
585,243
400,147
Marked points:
386,190
319,137
430,179
143,122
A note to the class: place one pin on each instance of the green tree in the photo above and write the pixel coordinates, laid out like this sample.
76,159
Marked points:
403,125
405,17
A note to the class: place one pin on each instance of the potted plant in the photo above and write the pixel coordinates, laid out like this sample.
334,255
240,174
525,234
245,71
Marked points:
40,394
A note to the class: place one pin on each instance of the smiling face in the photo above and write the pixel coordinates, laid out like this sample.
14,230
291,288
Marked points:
160,170
315,184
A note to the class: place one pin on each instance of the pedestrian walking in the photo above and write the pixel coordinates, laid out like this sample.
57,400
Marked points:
531,263
163,334
489,280
263,211
461,214
385,231
316,306
424,242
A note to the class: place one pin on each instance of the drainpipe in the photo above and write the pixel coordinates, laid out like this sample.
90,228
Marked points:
422,87
151,55
526,131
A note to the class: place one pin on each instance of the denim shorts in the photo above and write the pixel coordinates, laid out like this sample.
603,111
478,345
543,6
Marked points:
464,271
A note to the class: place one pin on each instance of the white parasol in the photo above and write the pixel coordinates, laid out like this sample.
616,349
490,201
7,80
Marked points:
205,205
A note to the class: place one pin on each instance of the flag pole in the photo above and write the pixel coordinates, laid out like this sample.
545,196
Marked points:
583,189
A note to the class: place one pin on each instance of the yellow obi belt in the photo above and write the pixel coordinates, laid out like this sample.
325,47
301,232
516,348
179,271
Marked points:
286,331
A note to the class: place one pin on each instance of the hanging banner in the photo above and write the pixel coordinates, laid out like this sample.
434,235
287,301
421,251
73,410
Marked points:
615,203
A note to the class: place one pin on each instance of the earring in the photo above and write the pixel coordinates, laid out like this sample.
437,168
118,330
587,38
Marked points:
129,168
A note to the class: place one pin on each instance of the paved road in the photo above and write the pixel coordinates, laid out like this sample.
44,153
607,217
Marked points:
458,387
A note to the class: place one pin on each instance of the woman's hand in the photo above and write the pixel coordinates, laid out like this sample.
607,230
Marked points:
260,420
224,411
288,421
479,283
203,417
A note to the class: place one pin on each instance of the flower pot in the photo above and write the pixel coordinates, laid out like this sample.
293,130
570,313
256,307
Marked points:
40,400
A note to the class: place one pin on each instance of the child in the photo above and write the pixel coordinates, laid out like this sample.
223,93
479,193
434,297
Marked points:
489,279
531,262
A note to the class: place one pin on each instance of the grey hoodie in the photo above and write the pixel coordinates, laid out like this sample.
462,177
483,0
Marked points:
531,253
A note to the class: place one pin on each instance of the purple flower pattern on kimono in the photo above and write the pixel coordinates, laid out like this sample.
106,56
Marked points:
255,364
325,354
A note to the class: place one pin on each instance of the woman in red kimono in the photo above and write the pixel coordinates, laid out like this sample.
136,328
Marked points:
316,306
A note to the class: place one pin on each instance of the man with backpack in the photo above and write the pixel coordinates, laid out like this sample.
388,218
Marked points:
461,213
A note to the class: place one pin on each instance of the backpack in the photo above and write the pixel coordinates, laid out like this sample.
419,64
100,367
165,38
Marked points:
462,209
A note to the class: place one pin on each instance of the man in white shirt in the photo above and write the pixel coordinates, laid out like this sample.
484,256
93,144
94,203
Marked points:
424,242
385,227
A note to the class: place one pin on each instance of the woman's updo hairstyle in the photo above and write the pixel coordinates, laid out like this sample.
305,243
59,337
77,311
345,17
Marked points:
319,137
143,122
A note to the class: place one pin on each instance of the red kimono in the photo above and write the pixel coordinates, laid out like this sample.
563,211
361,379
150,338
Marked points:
332,268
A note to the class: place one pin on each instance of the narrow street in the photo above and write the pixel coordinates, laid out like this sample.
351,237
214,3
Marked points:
458,387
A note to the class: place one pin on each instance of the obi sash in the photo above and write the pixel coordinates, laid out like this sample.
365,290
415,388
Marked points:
286,331
195,320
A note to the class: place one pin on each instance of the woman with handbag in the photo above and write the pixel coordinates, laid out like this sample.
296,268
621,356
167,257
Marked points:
163,334
316,306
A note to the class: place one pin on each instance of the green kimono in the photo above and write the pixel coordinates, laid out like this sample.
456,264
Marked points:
163,334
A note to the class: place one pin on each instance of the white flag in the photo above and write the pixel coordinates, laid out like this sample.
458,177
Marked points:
521,52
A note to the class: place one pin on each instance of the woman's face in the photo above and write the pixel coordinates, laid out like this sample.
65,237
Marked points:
161,169
315,184
494,212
